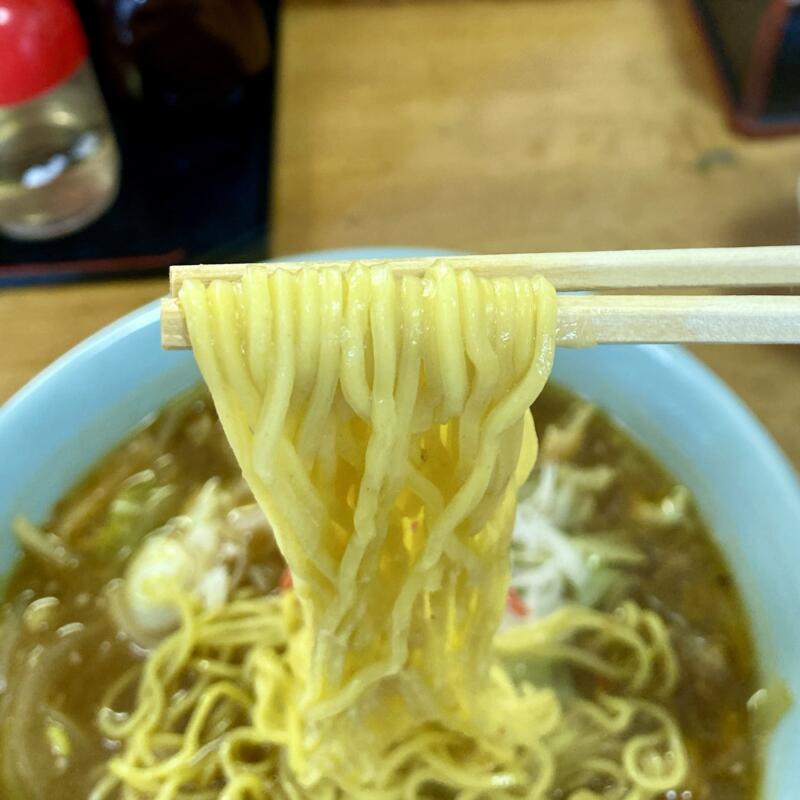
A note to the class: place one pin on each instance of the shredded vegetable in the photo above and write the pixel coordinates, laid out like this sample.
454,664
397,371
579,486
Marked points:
141,505
768,705
44,546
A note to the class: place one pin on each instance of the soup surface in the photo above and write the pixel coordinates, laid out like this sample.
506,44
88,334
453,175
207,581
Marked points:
618,528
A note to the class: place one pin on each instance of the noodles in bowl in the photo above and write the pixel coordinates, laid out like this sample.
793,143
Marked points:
382,426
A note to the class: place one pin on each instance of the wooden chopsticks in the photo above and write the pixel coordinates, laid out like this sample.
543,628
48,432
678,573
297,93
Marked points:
593,319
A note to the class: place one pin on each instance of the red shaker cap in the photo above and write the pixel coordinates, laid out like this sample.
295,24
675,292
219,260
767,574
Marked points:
41,43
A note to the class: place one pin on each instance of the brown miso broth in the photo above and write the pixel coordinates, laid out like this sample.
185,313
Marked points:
686,580
62,652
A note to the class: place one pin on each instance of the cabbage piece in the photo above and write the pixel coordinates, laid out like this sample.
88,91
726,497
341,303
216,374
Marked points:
768,705
141,506
43,545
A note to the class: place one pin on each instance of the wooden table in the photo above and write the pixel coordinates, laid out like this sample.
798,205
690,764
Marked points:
501,125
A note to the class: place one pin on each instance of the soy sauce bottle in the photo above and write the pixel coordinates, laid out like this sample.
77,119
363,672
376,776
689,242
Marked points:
188,56
190,84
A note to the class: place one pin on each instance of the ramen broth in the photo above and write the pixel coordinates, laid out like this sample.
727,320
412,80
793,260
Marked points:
63,653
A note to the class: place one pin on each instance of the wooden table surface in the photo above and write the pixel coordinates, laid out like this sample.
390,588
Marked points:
494,126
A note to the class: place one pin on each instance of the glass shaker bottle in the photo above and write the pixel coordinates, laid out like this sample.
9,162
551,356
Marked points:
59,164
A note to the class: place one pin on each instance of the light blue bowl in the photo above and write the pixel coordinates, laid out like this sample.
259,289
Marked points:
64,420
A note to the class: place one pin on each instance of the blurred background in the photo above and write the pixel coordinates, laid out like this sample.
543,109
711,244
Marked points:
139,133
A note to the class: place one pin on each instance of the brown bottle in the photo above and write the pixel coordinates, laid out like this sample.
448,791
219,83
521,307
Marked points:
185,54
